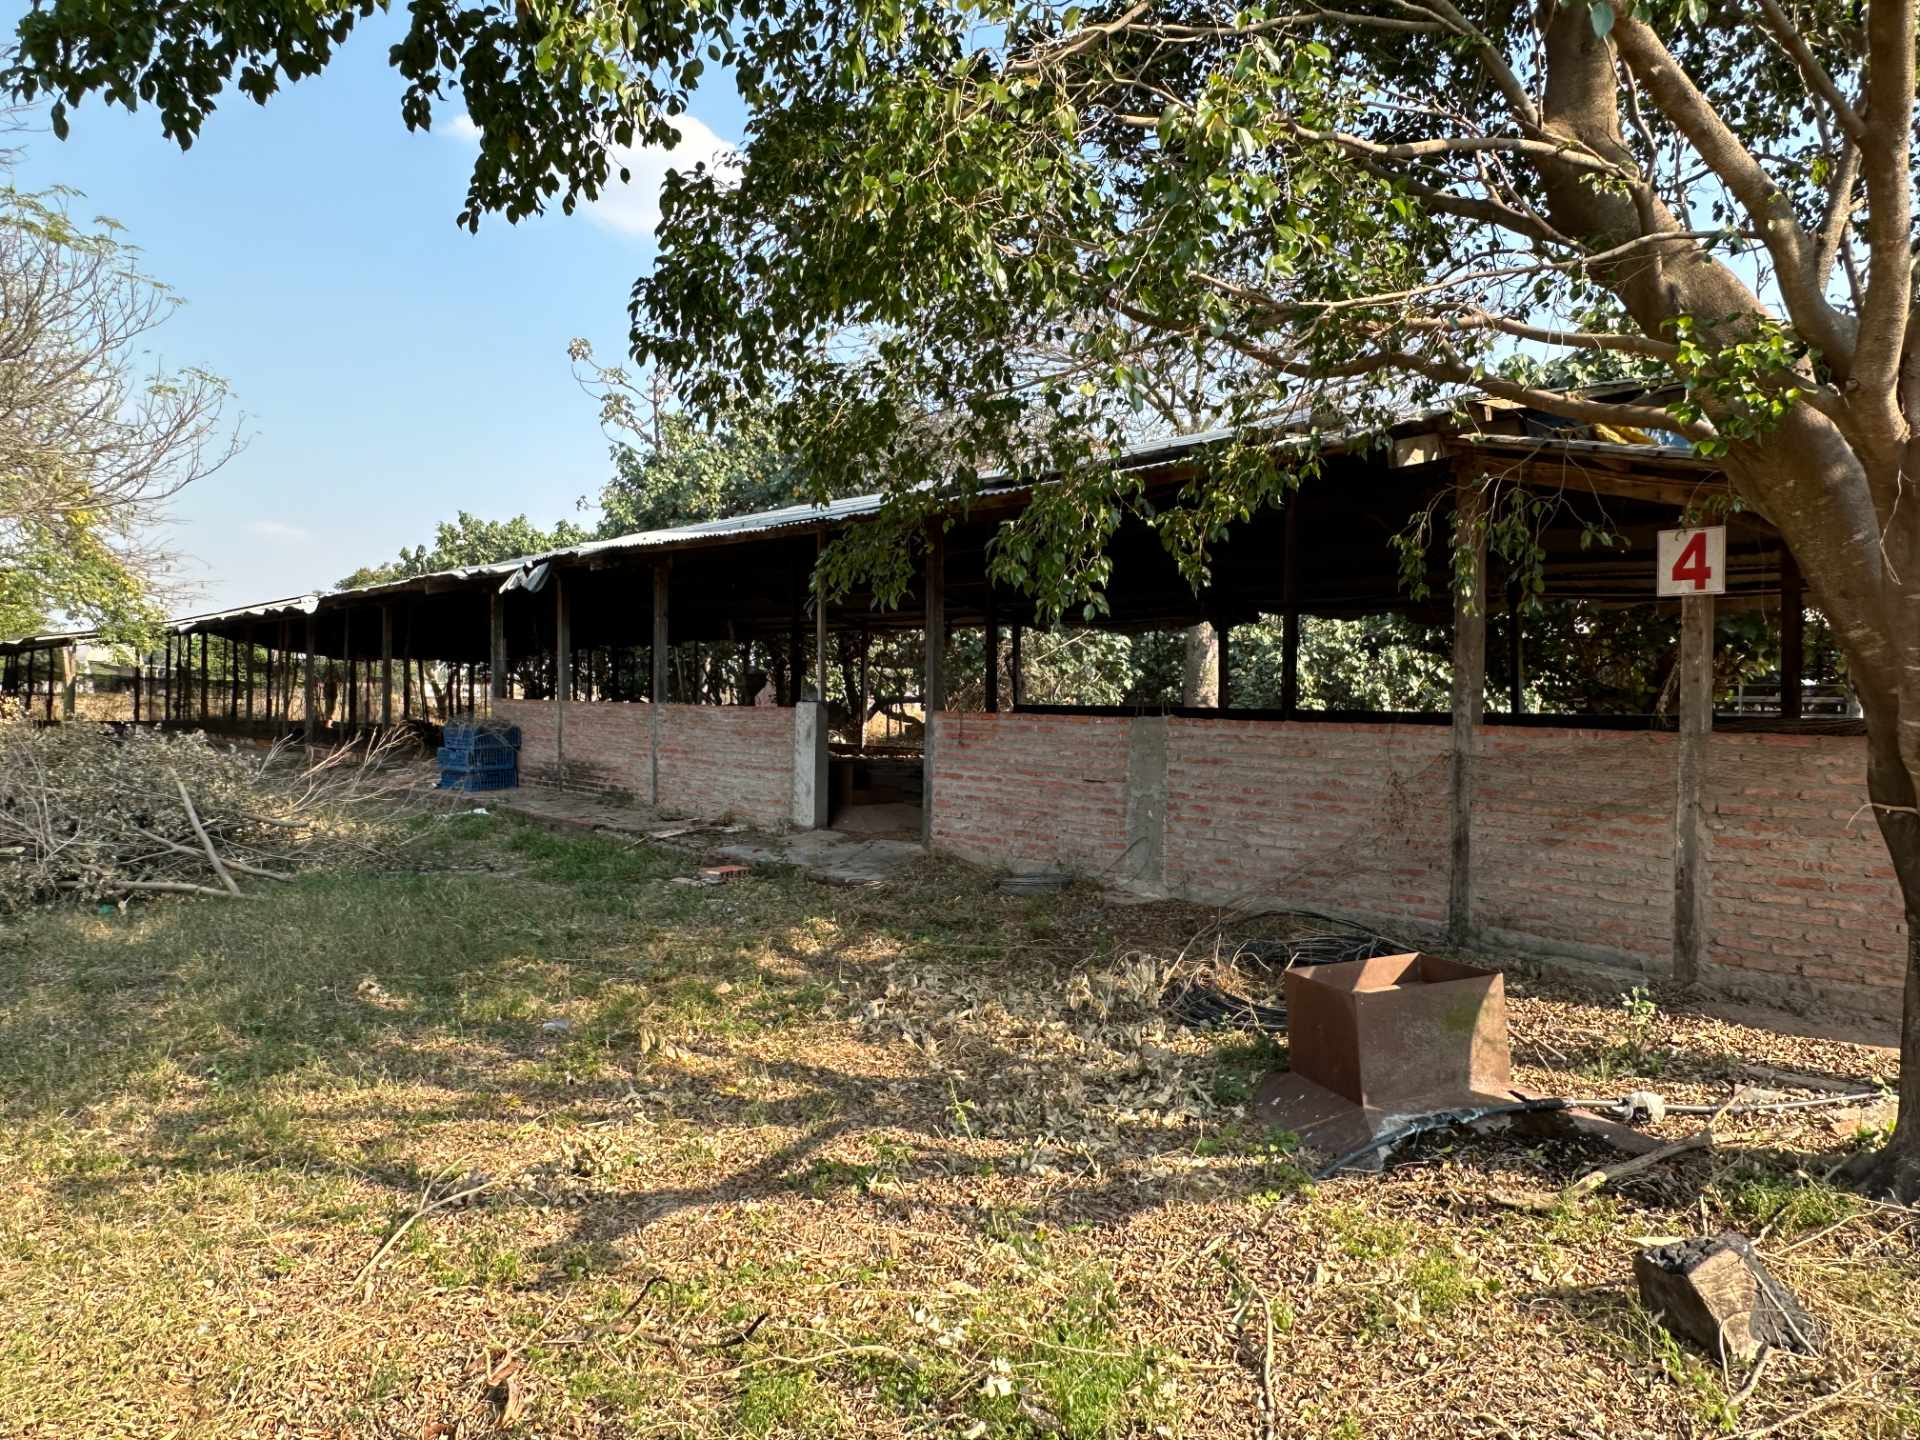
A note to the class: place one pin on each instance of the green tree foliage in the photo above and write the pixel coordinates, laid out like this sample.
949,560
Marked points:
469,540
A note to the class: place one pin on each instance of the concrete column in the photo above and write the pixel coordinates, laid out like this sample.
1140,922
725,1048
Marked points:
1145,864
1469,687
811,792
1692,879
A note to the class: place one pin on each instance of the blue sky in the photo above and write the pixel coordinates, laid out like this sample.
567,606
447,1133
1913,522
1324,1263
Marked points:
392,368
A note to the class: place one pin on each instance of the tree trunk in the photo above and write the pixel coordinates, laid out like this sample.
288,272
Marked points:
1200,677
1895,1169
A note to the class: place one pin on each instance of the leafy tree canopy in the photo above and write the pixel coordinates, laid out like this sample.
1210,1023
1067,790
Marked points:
469,540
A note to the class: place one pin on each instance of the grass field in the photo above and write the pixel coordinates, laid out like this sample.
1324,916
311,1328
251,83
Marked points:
774,1159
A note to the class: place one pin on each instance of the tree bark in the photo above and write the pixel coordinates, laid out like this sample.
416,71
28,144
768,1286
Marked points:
1200,679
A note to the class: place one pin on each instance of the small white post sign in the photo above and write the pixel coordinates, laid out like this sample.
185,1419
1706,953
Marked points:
1692,562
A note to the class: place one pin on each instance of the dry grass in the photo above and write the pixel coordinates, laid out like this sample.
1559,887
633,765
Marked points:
812,1162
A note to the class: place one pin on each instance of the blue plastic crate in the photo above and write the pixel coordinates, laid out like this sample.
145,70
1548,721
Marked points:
469,732
486,751
469,780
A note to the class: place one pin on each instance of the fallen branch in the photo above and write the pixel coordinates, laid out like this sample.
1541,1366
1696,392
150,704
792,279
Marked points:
206,841
420,1212
242,866
1598,1179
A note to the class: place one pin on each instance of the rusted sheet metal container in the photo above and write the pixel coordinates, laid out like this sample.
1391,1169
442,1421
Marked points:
1400,1033
1373,1042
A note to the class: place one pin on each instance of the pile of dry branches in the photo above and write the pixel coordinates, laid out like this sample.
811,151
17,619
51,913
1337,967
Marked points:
92,813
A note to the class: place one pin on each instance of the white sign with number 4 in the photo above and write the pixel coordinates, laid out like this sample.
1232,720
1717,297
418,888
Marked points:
1693,562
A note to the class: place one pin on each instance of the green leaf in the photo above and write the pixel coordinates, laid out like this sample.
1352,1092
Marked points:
1601,13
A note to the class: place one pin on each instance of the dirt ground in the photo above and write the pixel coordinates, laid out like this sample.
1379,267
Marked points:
509,1133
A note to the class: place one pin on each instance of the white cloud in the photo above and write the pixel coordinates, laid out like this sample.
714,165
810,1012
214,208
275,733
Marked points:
276,530
633,208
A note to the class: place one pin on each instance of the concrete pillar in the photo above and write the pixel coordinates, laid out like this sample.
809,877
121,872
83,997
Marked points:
1692,880
1144,866
811,792
1469,687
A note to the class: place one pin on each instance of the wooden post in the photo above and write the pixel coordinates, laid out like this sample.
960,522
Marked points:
662,586
993,651
139,665
1793,625
796,649
1692,884
248,647
819,621
268,684
1469,692
310,721
166,698
1516,656
1017,683
1223,683
1290,610
50,684
69,679
866,690
386,665
497,646
562,668
934,698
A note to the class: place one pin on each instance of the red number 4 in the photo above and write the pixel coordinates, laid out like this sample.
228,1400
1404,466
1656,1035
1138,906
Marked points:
1691,564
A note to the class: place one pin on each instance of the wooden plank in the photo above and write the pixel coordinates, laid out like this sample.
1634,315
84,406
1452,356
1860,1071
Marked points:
662,593
1692,884
1469,690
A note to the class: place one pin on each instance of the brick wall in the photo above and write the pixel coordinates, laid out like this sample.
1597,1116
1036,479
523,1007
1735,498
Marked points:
1572,835
1350,819
1573,842
734,760
1803,893
714,760
1031,790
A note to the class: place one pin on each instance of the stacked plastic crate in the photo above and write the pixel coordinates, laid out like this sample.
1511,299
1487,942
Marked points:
480,755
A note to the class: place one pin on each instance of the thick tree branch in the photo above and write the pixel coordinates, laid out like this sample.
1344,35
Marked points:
1676,96
1885,166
